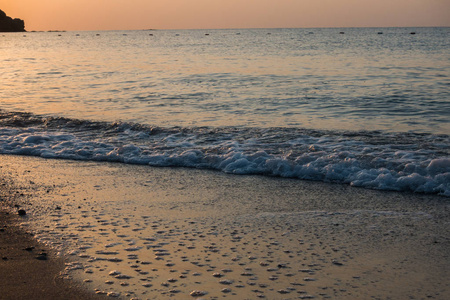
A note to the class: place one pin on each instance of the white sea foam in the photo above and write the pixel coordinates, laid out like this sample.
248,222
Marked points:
400,162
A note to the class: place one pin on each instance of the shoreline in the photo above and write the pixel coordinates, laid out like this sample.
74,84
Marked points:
275,238
29,269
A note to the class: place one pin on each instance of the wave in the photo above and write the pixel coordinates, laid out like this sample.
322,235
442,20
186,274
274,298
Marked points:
416,162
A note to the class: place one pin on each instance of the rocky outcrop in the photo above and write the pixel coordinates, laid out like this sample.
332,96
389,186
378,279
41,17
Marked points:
8,24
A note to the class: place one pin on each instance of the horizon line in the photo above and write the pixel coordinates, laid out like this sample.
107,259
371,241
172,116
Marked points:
236,28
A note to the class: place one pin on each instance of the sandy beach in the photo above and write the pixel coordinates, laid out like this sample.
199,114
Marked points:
29,270
137,232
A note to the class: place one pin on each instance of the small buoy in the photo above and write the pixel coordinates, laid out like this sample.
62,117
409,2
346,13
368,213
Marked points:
380,32
413,32
341,32
22,212
206,33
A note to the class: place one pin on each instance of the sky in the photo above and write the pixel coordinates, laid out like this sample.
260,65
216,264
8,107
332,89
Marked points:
211,14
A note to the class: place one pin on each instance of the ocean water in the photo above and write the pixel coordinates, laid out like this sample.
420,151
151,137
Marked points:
369,107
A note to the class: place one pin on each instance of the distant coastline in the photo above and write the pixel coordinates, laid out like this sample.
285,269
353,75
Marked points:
8,24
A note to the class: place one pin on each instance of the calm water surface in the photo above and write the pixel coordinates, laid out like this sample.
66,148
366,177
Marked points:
310,78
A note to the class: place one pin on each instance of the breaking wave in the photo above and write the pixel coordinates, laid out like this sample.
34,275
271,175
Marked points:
370,159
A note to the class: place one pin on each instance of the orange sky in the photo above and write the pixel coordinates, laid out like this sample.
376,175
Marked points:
181,14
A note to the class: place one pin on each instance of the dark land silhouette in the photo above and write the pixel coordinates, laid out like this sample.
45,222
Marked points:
8,24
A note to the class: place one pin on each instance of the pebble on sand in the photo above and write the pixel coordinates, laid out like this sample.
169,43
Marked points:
226,281
42,256
197,293
337,263
114,273
122,276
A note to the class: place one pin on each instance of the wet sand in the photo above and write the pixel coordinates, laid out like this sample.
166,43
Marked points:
28,269
136,232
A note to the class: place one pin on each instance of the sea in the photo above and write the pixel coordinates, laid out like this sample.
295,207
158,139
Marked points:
366,107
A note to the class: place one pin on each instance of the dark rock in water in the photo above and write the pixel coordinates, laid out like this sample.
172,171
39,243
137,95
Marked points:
8,24
22,212
29,249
